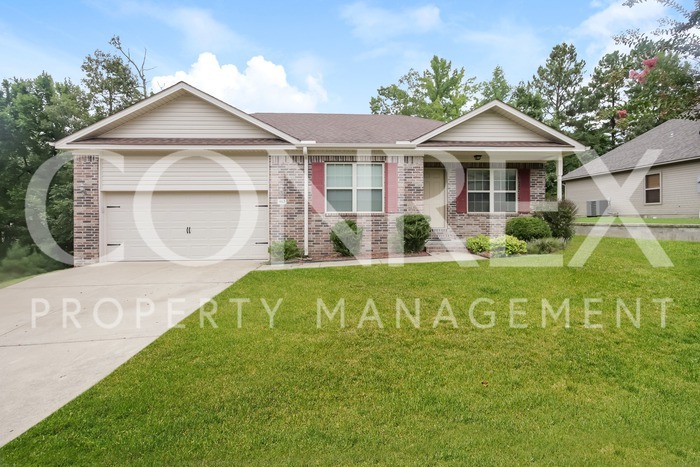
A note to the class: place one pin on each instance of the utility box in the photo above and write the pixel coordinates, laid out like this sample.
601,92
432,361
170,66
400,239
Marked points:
596,208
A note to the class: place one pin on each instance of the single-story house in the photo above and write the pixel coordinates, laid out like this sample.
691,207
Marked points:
182,175
669,186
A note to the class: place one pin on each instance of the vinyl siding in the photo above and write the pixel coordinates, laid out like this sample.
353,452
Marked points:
679,192
489,126
187,117
189,171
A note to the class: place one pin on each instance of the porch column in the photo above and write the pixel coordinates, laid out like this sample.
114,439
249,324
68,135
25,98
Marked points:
560,174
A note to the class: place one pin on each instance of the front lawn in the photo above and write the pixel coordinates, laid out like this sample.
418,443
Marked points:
295,394
641,220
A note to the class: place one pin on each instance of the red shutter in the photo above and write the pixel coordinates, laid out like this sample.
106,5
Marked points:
391,187
462,192
524,190
318,187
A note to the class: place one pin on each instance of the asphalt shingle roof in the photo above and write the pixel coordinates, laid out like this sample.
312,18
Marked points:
679,140
350,128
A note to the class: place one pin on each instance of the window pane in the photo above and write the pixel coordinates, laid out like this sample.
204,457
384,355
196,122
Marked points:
654,181
504,202
653,196
339,175
478,202
370,175
369,200
339,200
477,180
504,180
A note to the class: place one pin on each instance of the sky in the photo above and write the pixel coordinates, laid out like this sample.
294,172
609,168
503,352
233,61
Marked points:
309,56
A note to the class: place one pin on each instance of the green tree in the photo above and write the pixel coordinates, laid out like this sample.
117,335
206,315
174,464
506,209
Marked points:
497,88
110,82
33,114
559,82
440,93
529,101
601,104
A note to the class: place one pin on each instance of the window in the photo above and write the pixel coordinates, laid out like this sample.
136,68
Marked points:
354,187
485,196
652,189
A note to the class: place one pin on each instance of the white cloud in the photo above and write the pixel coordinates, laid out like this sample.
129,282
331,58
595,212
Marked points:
595,33
200,29
261,87
376,24
515,47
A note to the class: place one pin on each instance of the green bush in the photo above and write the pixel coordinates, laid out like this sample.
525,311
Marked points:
544,246
479,244
528,228
415,231
508,245
284,251
561,221
25,261
346,237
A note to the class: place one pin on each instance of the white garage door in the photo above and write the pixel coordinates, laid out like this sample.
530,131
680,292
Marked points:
191,225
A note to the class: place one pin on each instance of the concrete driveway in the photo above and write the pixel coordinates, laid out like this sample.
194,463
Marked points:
62,332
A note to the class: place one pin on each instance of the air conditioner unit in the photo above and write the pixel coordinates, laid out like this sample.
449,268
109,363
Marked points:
596,208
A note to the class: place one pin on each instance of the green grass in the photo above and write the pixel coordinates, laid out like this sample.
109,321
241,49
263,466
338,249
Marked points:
639,220
14,281
295,394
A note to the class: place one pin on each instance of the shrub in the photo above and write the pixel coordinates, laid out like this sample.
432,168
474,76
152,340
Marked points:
528,228
25,261
415,231
284,251
508,245
544,246
561,221
346,237
479,244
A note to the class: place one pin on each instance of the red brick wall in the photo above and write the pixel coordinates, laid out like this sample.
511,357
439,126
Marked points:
86,210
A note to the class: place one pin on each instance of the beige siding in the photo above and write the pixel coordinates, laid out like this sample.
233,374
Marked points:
187,117
489,126
189,171
679,192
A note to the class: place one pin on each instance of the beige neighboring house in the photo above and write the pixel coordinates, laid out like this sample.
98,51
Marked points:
670,188
184,176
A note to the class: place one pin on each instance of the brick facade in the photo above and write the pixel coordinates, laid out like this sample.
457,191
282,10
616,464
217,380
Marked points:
86,210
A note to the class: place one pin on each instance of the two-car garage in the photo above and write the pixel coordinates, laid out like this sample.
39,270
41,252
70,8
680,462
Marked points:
184,206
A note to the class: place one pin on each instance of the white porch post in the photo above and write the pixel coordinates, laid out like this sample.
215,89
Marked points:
560,174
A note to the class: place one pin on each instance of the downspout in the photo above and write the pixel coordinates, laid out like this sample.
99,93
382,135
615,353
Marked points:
306,200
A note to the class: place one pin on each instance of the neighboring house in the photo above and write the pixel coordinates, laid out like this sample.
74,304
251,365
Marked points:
182,175
670,187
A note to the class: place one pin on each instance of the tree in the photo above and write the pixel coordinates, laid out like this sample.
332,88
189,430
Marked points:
671,89
601,104
497,88
34,113
681,36
111,84
440,93
559,81
139,69
529,101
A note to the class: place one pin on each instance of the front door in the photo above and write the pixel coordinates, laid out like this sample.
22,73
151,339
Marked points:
434,197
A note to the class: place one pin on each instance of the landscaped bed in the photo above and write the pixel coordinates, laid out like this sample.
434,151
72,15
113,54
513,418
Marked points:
640,220
496,395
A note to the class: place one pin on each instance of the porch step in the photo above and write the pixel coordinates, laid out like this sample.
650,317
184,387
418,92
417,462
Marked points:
445,246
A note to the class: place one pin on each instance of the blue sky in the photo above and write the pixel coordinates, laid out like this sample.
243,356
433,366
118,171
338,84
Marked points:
311,56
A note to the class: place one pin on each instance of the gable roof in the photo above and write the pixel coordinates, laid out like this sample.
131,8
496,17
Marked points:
679,140
549,137
349,128
155,101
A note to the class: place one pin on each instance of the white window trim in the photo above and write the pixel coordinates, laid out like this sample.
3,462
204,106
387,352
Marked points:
354,187
660,188
492,191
